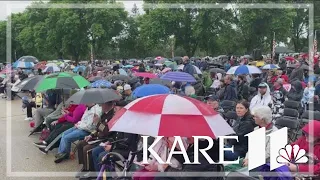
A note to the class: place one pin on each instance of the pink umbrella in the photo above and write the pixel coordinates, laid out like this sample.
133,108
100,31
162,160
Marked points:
158,58
289,58
169,115
145,75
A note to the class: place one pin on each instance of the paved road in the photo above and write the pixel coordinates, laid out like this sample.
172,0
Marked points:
25,157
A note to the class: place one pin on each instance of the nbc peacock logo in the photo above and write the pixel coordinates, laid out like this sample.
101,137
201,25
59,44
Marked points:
292,154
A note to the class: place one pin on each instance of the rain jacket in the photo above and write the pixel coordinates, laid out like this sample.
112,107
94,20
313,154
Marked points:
242,126
303,144
297,73
75,114
308,94
86,122
188,68
259,100
243,91
230,92
296,91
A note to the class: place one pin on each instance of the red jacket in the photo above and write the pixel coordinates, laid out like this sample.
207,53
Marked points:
303,144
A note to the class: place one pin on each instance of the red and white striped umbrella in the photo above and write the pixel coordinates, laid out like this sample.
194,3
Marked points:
169,115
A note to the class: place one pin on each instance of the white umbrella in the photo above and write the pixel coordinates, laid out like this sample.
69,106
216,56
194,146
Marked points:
198,71
51,64
244,69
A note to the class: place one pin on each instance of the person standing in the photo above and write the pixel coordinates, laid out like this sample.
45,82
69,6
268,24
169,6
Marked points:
187,68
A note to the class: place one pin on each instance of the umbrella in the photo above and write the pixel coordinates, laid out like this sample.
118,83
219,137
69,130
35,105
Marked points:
119,77
129,66
289,58
291,66
79,69
61,80
198,71
178,76
305,67
158,58
40,66
217,70
160,81
145,75
29,83
22,64
28,59
123,72
260,63
6,70
51,69
169,115
150,89
95,95
166,70
101,83
244,69
133,80
51,64
95,78
270,66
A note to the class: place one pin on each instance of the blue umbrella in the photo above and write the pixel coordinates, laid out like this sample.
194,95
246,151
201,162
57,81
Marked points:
101,83
150,89
178,76
123,72
22,64
244,69
79,68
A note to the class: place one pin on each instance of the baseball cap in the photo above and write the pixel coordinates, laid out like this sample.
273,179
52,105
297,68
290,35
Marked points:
263,85
212,98
126,87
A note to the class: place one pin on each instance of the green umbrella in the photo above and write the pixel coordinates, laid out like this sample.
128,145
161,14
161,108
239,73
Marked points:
170,64
61,80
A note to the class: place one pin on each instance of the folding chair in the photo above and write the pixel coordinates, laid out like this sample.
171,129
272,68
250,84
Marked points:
292,104
292,113
230,117
293,126
228,105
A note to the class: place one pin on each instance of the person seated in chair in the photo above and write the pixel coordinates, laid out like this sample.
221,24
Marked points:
50,100
100,134
80,130
65,122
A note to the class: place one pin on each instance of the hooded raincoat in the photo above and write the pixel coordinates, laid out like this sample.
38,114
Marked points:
261,100
304,144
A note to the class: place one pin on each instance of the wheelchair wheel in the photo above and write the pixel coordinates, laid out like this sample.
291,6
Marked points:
115,165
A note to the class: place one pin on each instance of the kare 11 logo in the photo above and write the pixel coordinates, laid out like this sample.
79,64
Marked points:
280,152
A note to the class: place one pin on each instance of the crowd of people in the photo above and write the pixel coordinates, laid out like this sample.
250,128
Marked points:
255,100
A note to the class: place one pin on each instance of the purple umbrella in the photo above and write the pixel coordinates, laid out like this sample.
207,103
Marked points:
178,77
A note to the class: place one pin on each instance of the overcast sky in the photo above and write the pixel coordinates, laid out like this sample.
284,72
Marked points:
19,6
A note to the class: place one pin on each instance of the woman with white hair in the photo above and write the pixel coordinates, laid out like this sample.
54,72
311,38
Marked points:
189,91
262,116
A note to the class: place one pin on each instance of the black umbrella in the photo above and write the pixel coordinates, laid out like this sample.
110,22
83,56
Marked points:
119,77
133,80
161,81
29,83
29,59
96,96
217,70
